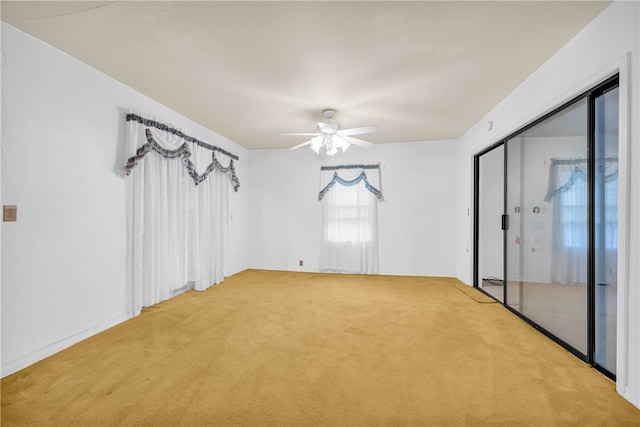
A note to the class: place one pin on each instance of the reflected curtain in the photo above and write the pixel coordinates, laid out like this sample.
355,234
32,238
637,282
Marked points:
568,192
349,242
177,212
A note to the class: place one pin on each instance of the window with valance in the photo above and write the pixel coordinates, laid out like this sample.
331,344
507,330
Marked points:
349,196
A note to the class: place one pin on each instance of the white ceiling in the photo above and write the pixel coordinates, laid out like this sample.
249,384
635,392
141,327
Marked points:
420,70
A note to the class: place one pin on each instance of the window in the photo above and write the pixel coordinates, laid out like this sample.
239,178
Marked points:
570,211
349,224
350,216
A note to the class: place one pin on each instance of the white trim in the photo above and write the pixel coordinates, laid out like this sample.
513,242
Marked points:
624,205
631,395
26,360
471,215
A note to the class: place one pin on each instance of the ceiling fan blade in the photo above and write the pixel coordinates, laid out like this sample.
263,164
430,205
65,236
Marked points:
299,134
301,145
358,142
358,131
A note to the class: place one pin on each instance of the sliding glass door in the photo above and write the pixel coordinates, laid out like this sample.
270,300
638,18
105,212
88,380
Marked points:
490,198
547,234
546,223
606,226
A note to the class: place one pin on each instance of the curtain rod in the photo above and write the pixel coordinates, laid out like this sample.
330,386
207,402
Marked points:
570,161
162,126
333,168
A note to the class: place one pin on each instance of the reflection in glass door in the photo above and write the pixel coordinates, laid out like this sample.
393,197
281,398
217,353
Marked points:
555,182
547,238
606,227
490,202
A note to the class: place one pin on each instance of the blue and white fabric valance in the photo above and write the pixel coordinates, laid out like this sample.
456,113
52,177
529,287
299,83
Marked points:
349,175
144,136
563,173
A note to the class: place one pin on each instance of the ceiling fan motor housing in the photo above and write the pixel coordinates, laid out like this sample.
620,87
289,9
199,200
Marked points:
328,128
329,113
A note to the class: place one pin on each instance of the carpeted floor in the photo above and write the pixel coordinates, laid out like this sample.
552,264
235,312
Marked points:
272,348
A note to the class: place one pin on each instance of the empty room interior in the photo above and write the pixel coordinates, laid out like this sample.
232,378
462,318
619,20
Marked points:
320,213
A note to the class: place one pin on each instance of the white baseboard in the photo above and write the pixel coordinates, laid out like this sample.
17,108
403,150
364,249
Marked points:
631,395
24,361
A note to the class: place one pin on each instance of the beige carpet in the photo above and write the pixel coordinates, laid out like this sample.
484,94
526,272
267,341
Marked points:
294,349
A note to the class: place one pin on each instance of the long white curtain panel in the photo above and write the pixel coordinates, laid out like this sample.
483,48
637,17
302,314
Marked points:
178,211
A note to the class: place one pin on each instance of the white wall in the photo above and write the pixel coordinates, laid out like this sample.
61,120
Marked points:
596,52
63,261
417,228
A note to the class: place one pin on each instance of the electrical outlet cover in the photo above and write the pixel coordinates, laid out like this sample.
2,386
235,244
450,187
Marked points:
9,213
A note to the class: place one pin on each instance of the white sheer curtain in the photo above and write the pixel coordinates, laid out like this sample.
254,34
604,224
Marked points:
178,231
209,233
568,192
349,242
609,220
569,248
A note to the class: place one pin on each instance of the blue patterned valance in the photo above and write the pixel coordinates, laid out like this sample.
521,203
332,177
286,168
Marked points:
183,151
334,179
574,170
177,132
175,144
361,177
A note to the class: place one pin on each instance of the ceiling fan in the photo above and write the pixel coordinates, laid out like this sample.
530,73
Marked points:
332,138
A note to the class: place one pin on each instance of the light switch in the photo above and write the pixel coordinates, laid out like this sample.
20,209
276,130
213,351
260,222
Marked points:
9,213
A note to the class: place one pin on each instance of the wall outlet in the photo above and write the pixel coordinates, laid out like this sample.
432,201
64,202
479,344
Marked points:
301,263
9,213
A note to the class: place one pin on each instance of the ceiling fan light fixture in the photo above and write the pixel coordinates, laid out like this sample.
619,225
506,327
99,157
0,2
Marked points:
329,145
332,138
332,144
316,144
340,143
